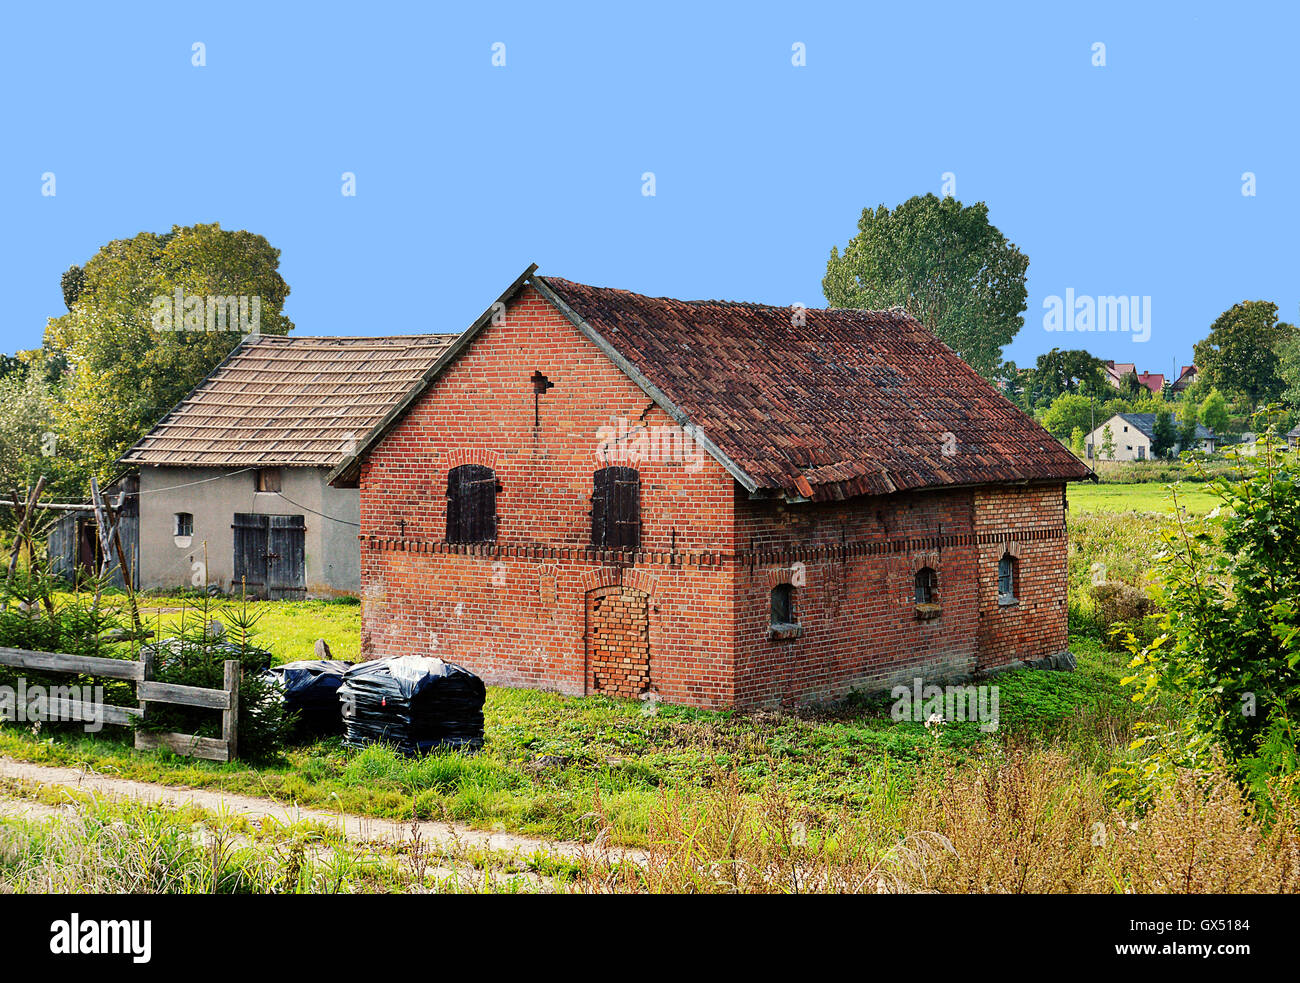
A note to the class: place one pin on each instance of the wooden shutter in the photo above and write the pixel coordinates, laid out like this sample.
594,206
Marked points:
626,513
472,504
599,507
616,508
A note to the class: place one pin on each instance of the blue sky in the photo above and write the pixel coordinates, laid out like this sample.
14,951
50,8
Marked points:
1122,179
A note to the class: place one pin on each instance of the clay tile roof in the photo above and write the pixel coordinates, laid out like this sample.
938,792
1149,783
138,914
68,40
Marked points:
290,401
1155,381
853,402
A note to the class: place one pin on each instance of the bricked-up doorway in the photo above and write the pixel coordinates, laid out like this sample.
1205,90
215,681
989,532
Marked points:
618,641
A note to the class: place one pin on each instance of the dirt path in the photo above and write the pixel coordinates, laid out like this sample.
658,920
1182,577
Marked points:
26,809
443,837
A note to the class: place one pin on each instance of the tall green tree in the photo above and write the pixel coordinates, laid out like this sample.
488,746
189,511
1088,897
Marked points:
11,364
1131,388
29,444
946,265
1068,411
1240,354
1164,434
124,371
1066,371
1214,412
1188,418
1288,355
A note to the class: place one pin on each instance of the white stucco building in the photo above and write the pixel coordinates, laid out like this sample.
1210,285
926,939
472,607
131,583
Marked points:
1133,434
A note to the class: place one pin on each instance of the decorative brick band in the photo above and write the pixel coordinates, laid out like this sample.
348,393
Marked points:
754,558
779,575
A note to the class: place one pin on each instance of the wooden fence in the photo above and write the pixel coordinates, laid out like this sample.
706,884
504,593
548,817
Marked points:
148,690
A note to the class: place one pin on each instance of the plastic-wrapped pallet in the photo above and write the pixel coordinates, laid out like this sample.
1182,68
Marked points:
311,689
414,703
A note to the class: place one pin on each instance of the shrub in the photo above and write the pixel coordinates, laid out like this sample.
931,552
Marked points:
196,656
1230,649
1120,608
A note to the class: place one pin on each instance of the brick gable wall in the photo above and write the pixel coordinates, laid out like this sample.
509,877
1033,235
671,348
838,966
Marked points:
515,612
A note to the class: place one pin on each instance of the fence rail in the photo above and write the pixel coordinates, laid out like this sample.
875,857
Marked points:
147,691
86,665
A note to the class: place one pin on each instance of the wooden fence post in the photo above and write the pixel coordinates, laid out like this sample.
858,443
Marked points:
146,672
230,718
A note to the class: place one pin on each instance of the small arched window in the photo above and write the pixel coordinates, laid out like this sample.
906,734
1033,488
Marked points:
927,586
616,508
183,524
1008,578
783,613
472,504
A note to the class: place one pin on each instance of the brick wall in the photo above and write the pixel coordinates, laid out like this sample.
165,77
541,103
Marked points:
854,565
1029,524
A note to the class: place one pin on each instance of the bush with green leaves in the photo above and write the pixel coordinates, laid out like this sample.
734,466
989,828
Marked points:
1228,657
35,615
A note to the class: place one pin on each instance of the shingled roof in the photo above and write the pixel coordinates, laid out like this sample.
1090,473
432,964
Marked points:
849,402
278,401
1146,423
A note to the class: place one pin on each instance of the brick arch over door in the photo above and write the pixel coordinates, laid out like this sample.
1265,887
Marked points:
618,641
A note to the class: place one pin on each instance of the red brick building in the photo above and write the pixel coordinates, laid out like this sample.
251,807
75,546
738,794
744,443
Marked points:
718,503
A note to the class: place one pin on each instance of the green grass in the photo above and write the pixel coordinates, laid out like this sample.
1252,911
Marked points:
288,629
1084,496
550,760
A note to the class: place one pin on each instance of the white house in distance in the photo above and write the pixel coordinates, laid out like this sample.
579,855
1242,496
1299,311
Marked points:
1133,433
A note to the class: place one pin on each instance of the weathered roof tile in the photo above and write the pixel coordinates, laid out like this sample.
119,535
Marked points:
847,402
290,401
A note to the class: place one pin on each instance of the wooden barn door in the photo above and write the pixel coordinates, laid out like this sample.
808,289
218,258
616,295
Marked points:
89,552
286,557
250,553
270,555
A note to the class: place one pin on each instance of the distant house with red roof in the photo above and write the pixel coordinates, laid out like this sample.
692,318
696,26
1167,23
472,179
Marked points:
709,502
1117,372
1186,377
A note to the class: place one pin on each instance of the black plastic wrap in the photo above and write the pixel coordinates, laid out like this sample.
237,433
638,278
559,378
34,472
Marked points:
414,703
311,689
